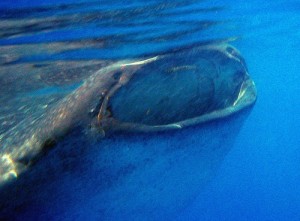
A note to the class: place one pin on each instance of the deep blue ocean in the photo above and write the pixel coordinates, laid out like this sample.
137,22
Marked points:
256,177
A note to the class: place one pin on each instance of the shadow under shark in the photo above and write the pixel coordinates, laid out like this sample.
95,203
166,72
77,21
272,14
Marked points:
168,122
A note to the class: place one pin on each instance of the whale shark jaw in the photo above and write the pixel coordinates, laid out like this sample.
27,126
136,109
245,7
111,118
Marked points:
179,90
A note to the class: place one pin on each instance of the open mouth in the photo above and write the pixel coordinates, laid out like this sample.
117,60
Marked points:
177,90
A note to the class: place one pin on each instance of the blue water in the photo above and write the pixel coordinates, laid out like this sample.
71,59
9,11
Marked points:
259,177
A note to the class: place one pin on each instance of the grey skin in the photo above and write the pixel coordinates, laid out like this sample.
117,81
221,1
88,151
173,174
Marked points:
221,87
21,148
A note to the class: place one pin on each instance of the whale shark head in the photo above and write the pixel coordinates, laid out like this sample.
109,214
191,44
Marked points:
164,93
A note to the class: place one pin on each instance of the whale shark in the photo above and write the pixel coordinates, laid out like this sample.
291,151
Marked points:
147,115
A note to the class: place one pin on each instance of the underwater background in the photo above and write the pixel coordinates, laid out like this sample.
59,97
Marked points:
258,178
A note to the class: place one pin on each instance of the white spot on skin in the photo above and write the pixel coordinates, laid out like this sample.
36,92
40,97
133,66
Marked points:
7,168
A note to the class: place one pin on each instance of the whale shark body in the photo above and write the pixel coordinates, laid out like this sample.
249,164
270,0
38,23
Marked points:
164,122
